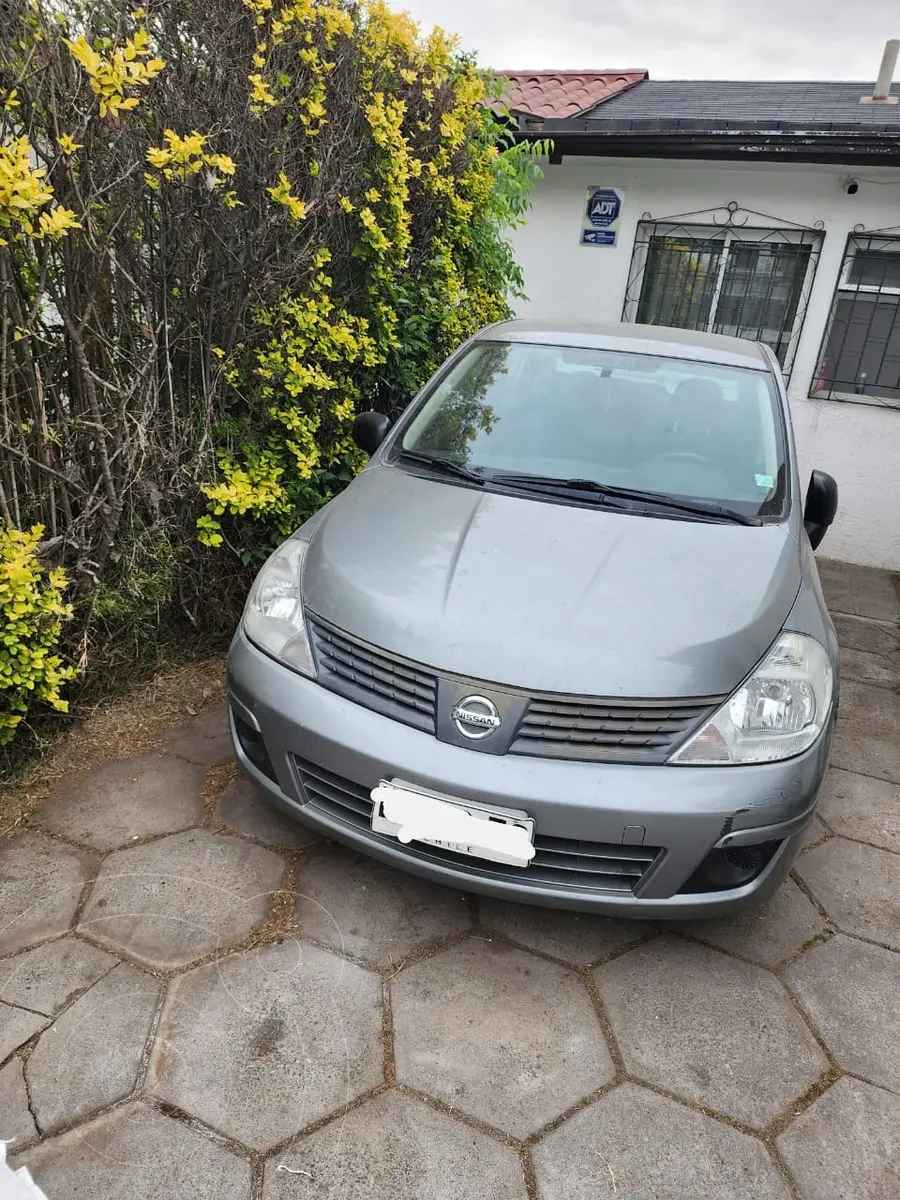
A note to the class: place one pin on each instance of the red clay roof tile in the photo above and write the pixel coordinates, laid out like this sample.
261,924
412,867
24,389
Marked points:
564,93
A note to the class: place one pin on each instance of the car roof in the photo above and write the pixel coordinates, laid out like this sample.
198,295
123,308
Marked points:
632,339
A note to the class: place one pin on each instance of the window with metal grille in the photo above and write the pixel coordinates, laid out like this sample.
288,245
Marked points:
860,357
724,278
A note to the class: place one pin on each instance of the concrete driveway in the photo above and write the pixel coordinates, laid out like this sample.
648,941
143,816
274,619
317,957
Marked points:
198,1002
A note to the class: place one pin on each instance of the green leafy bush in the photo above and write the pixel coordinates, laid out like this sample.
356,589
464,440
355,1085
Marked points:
223,232
32,612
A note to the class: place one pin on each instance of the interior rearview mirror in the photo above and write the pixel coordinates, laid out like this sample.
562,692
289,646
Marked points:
821,506
370,429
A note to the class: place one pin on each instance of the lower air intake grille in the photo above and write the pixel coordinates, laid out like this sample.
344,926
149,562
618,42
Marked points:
558,862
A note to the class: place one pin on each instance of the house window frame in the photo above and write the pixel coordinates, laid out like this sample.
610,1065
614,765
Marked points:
844,287
732,224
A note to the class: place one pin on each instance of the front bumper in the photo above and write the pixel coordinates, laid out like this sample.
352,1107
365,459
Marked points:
682,812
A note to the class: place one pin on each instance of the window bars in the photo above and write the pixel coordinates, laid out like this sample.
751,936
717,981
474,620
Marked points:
860,354
722,274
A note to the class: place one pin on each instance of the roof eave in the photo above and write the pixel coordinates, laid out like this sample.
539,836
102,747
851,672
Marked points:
853,146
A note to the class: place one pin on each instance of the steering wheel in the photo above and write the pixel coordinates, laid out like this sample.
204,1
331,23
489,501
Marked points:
681,456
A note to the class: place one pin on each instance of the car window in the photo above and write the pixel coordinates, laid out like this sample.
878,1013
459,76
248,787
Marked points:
683,428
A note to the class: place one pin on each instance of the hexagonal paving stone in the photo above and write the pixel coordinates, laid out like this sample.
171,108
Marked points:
861,807
501,1035
577,938
859,591
48,978
245,810
705,1026
262,1044
860,633
372,911
204,739
174,900
17,1026
852,990
16,1122
846,1146
863,667
135,1153
397,1148
765,935
41,882
868,732
92,1055
126,799
858,886
635,1144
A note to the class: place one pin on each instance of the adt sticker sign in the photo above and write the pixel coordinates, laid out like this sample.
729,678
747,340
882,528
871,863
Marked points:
601,217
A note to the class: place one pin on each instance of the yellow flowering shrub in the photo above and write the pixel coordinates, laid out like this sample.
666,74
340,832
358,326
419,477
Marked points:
32,612
182,158
224,230
430,144
114,70
24,196
281,194
298,449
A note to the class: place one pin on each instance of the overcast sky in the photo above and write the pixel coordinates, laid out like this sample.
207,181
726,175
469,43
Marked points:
674,39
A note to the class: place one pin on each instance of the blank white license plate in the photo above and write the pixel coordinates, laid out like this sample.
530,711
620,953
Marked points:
413,814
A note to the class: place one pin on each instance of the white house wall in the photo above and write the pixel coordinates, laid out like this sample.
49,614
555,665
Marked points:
859,444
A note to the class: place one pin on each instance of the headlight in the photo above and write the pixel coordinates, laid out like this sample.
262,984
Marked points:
776,713
273,616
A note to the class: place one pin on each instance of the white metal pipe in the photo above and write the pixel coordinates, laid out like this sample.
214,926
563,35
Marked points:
886,70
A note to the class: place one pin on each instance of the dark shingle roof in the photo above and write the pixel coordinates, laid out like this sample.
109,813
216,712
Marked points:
725,104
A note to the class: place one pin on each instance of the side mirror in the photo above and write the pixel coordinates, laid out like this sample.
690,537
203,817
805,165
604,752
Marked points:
370,429
821,506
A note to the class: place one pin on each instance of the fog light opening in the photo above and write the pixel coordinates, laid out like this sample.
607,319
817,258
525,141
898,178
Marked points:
747,859
254,747
732,867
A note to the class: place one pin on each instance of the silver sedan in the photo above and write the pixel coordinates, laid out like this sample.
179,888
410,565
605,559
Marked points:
562,640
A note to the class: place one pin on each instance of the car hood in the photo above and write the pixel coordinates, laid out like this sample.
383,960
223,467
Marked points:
516,591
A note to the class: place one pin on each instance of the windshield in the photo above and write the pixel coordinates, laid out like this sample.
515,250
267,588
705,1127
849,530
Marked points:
684,429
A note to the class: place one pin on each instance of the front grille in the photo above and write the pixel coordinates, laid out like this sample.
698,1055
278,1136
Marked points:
554,726
374,678
637,731
558,862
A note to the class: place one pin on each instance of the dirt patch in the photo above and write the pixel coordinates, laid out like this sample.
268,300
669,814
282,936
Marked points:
130,724
267,1038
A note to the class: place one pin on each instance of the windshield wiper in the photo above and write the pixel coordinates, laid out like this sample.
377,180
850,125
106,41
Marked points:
554,486
447,465
604,491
